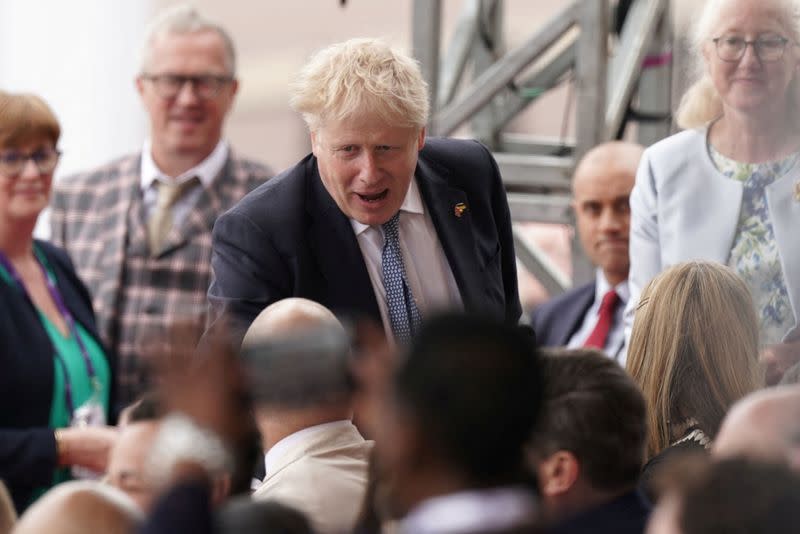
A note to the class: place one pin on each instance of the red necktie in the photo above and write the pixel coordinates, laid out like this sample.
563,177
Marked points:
605,317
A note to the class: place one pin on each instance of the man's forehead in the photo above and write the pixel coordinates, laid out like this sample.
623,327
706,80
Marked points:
603,183
188,53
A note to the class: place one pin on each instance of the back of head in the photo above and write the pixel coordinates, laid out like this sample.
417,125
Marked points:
472,388
694,348
740,495
246,516
593,409
357,76
765,425
79,507
297,355
182,19
25,118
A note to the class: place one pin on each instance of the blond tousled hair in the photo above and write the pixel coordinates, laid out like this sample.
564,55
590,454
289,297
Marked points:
183,19
702,103
694,348
361,76
25,118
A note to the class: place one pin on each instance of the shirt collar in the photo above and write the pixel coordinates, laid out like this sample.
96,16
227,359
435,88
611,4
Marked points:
411,204
275,452
602,286
206,170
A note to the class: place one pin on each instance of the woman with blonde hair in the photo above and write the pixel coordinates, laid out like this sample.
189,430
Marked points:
727,188
694,352
55,376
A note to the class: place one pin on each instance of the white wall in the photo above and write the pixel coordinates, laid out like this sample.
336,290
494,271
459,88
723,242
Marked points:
80,56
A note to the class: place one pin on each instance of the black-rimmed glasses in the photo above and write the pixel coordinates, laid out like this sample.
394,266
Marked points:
767,49
12,162
204,86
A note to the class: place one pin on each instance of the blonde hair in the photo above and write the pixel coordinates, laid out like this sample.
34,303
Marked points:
702,103
361,75
24,118
183,19
694,348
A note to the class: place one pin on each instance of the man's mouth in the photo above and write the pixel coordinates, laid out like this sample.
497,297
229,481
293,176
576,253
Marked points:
374,197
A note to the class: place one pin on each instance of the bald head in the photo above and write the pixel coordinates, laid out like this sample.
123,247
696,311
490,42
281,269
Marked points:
601,188
78,507
289,317
764,425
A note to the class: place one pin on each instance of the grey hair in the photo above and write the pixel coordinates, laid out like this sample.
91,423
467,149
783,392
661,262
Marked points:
182,19
701,103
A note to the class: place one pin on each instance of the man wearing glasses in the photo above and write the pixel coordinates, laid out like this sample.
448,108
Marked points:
139,228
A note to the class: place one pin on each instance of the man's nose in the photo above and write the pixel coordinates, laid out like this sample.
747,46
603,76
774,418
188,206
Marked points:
610,221
187,95
368,167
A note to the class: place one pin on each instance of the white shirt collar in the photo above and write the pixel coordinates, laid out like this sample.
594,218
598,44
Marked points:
602,286
275,452
411,204
470,511
206,170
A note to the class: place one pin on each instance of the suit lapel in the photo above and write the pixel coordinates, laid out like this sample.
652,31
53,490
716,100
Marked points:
204,213
345,280
784,212
454,232
573,315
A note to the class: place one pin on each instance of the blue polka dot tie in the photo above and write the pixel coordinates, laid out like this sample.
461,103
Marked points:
403,313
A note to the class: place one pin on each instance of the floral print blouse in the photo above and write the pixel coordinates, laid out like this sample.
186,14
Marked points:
755,254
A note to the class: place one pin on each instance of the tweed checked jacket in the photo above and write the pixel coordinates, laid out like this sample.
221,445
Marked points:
98,218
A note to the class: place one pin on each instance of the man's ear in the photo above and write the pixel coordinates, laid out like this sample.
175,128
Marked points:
421,139
314,142
558,473
220,489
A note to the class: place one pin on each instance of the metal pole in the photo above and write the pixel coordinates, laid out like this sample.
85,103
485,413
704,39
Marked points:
426,28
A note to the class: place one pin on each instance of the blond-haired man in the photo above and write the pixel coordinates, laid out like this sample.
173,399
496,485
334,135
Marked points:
378,221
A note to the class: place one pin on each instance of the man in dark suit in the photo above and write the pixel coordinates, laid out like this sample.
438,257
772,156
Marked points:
589,445
139,228
378,221
591,314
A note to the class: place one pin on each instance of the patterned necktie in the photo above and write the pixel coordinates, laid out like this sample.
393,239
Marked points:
160,221
403,313
597,339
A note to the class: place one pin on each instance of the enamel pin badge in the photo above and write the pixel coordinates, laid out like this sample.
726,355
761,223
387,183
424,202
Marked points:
460,208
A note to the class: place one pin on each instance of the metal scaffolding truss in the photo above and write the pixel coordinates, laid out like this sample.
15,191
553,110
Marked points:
607,74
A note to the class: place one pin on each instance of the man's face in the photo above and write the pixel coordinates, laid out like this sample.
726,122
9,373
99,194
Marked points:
602,214
186,126
367,165
126,463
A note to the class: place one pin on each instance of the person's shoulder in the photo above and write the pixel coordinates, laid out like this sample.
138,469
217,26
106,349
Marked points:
449,151
248,169
54,254
680,143
565,299
101,176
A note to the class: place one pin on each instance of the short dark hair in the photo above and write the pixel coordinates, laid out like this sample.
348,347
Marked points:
594,410
243,515
471,385
741,495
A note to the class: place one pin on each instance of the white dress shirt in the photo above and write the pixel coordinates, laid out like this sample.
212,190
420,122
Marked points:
616,336
423,257
206,171
471,511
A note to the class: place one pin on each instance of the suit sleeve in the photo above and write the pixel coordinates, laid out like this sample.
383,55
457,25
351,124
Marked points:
248,275
27,461
502,218
645,246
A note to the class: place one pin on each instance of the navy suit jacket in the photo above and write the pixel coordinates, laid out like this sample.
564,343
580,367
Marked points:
558,319
288,238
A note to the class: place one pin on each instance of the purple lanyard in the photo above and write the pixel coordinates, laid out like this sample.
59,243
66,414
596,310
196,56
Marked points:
55,294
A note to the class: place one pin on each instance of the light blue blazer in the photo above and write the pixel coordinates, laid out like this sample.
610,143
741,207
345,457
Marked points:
683,208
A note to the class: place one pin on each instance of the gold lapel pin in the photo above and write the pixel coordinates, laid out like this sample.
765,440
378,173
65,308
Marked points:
459,209
797,191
